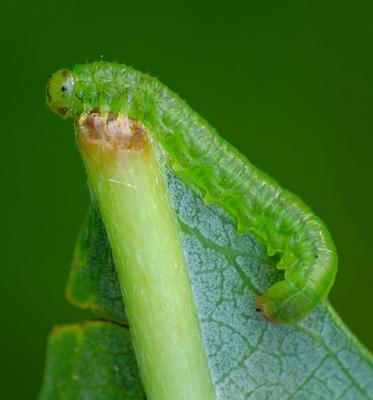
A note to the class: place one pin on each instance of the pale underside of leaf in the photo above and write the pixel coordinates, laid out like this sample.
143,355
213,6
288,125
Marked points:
249,357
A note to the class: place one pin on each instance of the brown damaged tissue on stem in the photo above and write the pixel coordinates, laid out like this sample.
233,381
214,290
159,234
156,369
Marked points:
117,131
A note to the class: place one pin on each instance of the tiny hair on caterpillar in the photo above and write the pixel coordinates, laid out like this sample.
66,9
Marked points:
258,204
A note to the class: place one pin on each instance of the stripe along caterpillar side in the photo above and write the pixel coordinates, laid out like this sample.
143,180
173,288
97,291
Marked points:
286,226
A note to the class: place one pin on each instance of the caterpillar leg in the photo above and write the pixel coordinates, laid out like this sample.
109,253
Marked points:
285,302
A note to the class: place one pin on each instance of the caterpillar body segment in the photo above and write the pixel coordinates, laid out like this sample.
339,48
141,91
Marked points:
193,148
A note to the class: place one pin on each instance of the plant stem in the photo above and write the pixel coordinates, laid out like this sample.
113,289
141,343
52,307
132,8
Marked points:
128,183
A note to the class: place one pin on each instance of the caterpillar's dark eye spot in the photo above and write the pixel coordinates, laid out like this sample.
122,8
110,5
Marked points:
316,256
64,88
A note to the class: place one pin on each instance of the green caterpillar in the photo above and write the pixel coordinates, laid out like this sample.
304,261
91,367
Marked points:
258,204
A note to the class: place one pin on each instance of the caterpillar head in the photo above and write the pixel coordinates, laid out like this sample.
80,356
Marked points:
60,93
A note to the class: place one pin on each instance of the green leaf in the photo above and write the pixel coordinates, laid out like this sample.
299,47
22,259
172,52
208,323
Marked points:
92,360
93,282
249,357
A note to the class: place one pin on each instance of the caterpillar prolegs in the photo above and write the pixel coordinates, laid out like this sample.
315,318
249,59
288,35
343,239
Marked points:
286,226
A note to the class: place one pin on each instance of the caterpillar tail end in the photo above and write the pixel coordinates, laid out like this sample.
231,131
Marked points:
266,308
285,302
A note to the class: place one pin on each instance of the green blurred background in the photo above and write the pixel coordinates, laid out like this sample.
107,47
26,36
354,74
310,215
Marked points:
288,83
